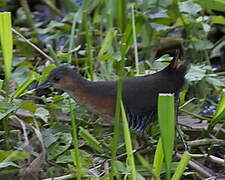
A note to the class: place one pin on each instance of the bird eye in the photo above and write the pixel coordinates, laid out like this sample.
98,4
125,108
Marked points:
56,79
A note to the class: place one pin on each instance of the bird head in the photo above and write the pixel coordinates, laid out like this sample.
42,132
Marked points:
60,78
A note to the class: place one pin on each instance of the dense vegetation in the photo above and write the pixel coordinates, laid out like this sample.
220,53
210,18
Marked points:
107,40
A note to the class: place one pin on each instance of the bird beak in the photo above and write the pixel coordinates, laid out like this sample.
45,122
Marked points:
44,85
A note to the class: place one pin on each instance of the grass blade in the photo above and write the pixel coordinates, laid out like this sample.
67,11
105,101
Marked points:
220,112
23,87
121,14
75,18
128,143
116,130
158,158
1,84
147,165
166,116
92,141
7,44
181,166
135,40
77,160
107,41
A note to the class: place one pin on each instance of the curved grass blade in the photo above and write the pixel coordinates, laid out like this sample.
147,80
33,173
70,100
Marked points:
23,87
92,141
220,112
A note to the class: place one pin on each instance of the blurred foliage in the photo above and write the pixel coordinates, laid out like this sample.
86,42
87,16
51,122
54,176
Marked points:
100,27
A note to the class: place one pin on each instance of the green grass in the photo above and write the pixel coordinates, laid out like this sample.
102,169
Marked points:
166,115
77,159
128,143
181,166
7,51
7,45
158,158
108,40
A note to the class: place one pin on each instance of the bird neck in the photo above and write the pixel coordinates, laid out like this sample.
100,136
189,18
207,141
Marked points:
79,83
84,92
77,86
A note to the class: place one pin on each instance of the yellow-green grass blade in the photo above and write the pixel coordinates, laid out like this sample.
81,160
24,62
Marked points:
121,8
77,160
158,158
181,166
23,87
107,41
166,116
1,84
127,137
123,49
116,130
72,33
92,141
7,44
135,40
220,111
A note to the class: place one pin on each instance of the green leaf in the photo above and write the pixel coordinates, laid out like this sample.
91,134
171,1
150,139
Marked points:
220,112
67,54
20,91
218,20
53,133
60,146
25,49
13,155
46,71
189,7
7,112
195,73
4,105
20,75
215,82
28,105
106,57
55,24
8,164
121,167
42,113
203,45
68,156
157,13
183,21
50,138
107,41
218,5
92,141
160,27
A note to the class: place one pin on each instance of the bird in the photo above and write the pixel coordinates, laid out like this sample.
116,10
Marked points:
139,94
